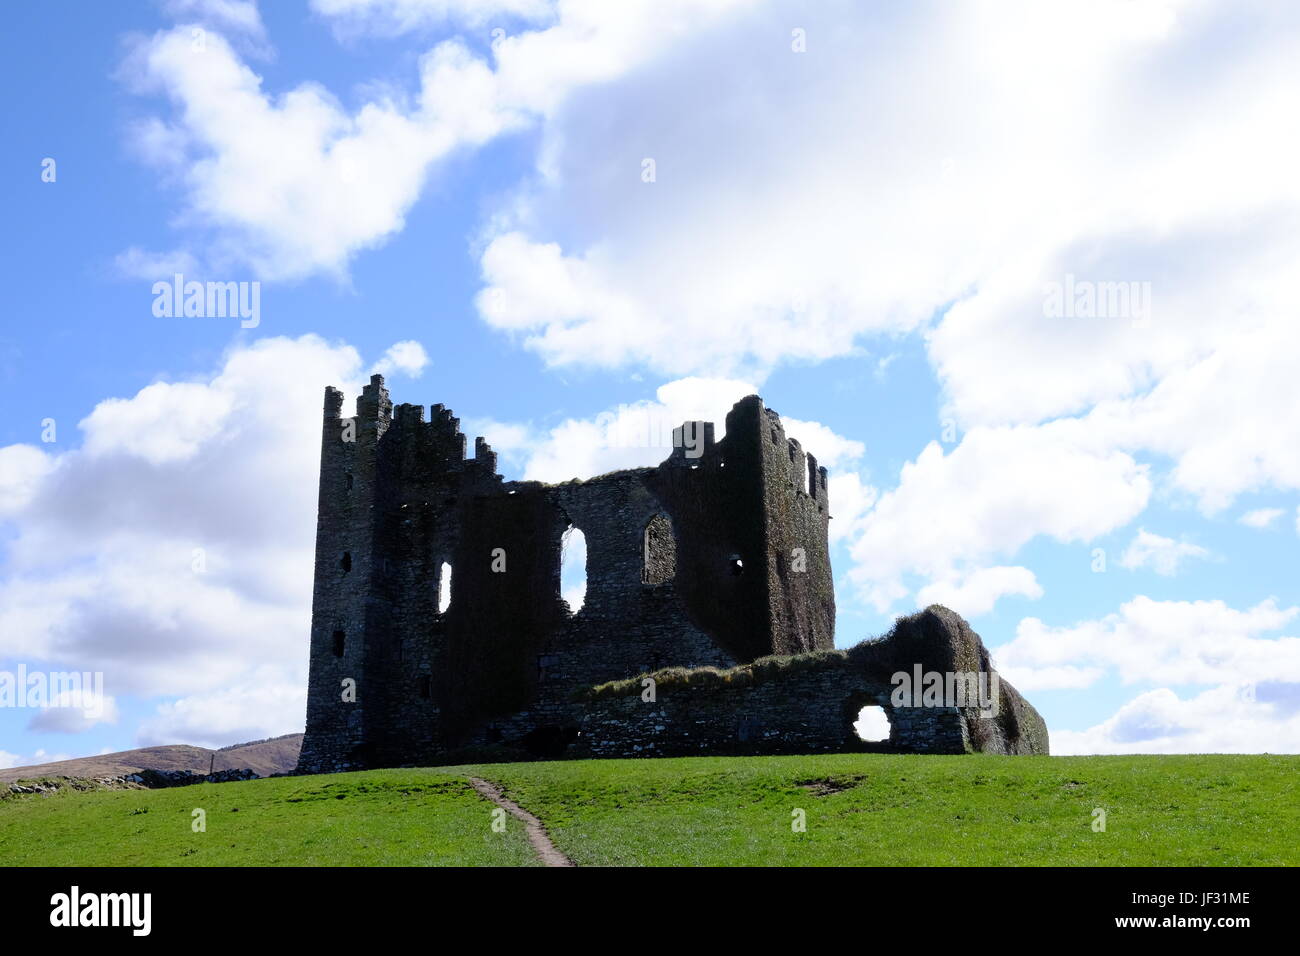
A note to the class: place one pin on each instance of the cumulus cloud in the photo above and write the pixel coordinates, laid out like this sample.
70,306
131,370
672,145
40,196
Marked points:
295,184
137,263
1261,517
74,712
953,514
942,183
1232,718
978,591
408,357
1156,642
22,467
392,17
39,756
641,433
264,702
851,500
174,547
237,16
909,159
1162,555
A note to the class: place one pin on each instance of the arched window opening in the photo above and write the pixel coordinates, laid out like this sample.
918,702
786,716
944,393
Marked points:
573,568
345,562
340,640
659,551
444,588
872,724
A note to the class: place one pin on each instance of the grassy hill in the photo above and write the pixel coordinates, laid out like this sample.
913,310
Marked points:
264,757
859,809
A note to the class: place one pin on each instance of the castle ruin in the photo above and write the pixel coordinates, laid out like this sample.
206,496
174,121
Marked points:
439,631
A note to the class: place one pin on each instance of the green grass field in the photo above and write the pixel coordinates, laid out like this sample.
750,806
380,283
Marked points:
859,810
379,818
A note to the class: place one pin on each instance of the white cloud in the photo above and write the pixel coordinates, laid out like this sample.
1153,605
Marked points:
512,441
391,17
890,188
641,433
74,712
1232,718
236,16
296,184
851,500
137,263
163,422
8,760
896,175
265,702
632,435
22,467
1261,517
978,591
952,514
407,357
174,548
831,450
1157,642
1162,555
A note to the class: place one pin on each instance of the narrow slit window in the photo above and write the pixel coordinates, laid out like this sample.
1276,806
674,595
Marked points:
573,568
444,588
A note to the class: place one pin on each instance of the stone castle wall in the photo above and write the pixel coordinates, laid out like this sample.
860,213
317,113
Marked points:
809,703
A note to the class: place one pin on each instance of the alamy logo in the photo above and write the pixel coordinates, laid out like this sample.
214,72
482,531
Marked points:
209,300
919,688
103,909
1086,299
41,690
630,426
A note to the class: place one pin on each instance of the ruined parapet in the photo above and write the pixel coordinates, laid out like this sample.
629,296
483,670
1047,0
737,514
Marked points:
485,459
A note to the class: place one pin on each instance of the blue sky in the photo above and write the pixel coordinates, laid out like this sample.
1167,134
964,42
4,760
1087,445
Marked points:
859,211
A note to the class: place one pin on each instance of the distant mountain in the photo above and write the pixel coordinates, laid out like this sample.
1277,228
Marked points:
263,757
